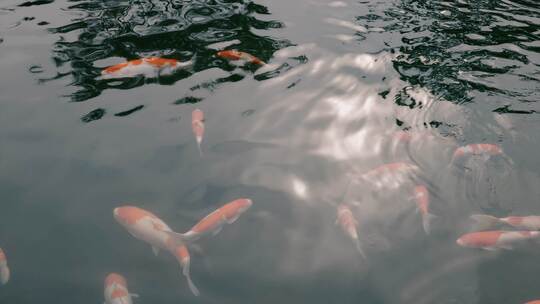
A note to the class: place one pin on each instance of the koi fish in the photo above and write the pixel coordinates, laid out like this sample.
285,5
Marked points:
150,67
493,240
4,269
238,55
421,195
116,291
147,227
214,222
477,149
533,302
348,223
197,124
531,222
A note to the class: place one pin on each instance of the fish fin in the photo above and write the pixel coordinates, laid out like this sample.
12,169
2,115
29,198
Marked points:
427,219
199,147
186,273
217,230
155,250
233,219
135,295
176,239
359,248
490,248
484,221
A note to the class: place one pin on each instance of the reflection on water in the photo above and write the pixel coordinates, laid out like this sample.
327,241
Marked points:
183,30
360,104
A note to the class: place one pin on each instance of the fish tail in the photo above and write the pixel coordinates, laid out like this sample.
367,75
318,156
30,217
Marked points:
427,219
359,248
484,221
199,147
4,274
186,273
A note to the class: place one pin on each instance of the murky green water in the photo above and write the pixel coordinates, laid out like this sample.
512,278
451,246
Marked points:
342,77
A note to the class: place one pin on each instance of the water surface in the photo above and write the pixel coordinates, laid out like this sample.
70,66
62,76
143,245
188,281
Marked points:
342,78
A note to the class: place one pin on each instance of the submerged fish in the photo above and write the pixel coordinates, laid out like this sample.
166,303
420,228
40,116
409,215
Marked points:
197,125
421,196
477,149
116,291
4,269
531,222
238,55
150,67
348,223
214,222
147,227
533,302
493,240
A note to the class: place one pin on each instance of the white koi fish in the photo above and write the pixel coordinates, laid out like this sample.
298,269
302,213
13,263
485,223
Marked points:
197,125
348,223
531,222
214,222
149,67
147,227
4,269
116,291
493,240
421,195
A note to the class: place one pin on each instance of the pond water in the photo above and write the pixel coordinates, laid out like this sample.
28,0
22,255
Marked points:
347,86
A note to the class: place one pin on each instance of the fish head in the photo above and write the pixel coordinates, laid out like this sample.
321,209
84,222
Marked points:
115,278
230,54
128,215
244,204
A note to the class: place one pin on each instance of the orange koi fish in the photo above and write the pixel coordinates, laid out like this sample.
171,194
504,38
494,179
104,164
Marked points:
421,195
348,223
533,302
197,124
150,67
477,149
116,291
214,222
238,55
531,222
147,227
493,240
4,269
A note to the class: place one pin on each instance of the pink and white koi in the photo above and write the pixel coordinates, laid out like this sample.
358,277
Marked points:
4,269
531,222
348,223
421,196
147,227
149,67
197,125
116,291
214,222
493,240
477,149
235,55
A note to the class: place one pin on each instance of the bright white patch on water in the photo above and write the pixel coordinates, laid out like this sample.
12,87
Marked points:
299,187
337,4
346,24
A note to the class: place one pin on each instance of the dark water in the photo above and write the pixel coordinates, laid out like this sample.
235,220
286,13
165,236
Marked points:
342,78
